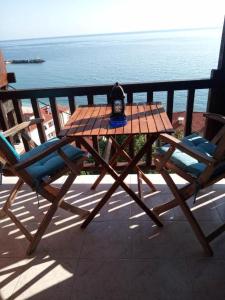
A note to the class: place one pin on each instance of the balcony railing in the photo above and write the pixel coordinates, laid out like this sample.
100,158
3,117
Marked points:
89,95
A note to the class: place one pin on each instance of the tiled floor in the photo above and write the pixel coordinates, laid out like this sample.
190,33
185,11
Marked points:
121,254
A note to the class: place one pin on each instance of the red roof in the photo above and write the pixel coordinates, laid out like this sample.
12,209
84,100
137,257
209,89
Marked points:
198,121
45,114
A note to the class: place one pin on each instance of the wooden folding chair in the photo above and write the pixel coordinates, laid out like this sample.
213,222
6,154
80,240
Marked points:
38,168
201,163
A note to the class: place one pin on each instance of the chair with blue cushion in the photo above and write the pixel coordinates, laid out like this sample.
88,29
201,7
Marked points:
38,168
201,163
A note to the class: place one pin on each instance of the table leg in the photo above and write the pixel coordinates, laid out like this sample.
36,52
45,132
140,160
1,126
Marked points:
119,181
139,181
140,174
112,162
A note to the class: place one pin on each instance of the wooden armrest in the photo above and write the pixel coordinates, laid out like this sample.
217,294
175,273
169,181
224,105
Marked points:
185,148
19,127
215,117
29,161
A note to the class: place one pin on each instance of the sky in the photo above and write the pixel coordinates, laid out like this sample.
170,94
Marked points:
48,18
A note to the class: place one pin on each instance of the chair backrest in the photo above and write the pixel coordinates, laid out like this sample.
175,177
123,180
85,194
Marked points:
219,154
10,156
7,152
217,169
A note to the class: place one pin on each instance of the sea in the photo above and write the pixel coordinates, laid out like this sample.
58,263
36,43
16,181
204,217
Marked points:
123,57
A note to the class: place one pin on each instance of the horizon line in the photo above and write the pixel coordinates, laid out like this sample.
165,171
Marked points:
114,33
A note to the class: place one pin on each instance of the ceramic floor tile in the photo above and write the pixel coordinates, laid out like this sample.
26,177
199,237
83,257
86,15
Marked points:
99,280
12,243
118,207
152,200
207,277
159,279
46,278
204,209
10,272
62,241
218,247
120,255
107,240
175,239
63,236
219,203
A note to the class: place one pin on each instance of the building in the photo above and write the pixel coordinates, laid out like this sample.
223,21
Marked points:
48,122
198,121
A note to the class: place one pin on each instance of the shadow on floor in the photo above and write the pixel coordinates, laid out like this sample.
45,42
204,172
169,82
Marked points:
121,255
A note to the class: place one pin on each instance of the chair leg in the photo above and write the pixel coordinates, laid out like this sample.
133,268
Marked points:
188,214
196,228
139,181
50,193
165,207
42,228
11,198
185,193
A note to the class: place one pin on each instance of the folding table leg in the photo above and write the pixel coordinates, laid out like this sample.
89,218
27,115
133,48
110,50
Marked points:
112,162
119,181
140,174
139,185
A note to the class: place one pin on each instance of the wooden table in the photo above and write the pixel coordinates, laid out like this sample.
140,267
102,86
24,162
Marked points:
92,121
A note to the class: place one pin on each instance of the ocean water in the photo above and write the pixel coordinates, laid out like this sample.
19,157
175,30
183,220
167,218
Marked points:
128,57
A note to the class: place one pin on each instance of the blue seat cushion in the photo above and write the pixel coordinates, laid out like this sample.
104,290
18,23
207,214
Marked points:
9,146
186,162
52,163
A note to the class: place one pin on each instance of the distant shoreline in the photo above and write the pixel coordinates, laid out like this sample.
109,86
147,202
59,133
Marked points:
114,33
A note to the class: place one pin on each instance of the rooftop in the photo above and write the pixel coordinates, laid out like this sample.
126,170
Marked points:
121,254
198,121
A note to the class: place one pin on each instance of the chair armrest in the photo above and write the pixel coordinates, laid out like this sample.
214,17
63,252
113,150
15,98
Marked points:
185,148
215,117
19,127
29,161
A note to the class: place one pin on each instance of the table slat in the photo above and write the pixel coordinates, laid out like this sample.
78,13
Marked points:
68,125
105,121
78,121
128,113
142,119
158,121
97,126
150,120
92,120
165,118
135,120
84,121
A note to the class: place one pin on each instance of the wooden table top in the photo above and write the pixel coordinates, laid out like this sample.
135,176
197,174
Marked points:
141,119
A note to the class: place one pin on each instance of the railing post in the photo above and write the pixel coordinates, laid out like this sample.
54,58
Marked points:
55,114
216,99
148,162
37,114
130,99
19,115
189,112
